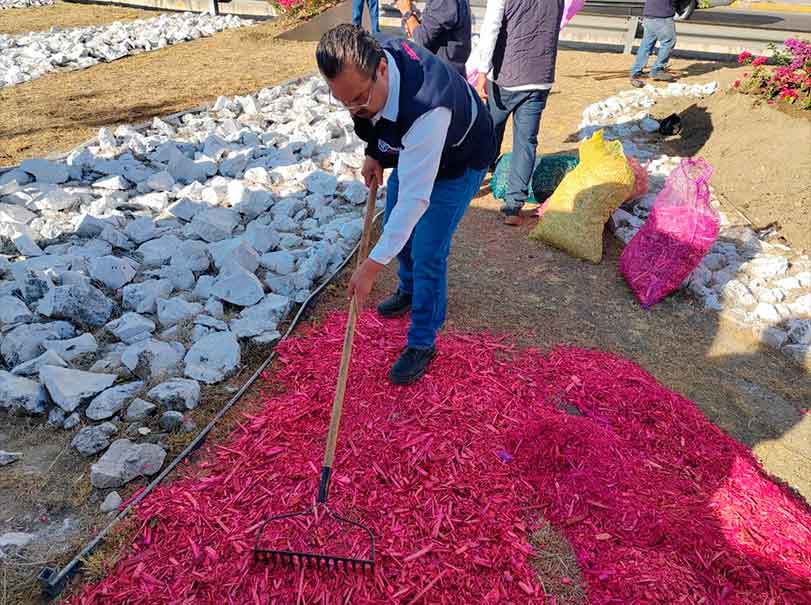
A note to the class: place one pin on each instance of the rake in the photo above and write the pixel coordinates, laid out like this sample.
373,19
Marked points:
312,516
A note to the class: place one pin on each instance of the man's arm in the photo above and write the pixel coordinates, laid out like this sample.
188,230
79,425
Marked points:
416,170
488,34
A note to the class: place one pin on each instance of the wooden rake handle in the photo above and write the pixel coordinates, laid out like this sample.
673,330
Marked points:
346,355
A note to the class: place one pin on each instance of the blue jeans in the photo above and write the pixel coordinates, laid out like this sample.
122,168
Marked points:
374,15
526,108
662,30
423,261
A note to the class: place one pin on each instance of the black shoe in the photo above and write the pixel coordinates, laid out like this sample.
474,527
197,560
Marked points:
411,365
636,82
396,305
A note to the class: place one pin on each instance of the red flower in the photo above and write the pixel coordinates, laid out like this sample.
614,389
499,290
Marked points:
744,57
760,61
737,83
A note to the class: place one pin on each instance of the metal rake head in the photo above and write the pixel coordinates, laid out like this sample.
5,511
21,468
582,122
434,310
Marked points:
301,559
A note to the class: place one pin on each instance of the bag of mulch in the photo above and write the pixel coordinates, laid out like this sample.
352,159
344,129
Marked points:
546,176
640,179
570,9
680,230
575,215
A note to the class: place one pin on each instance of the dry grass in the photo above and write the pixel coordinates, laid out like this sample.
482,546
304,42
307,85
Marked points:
107,553
556,565
65,14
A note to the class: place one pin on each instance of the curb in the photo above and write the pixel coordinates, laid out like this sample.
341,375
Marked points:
776,7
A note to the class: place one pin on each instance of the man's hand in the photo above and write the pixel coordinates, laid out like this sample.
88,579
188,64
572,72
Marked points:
361,283
404,6
481,86
372,168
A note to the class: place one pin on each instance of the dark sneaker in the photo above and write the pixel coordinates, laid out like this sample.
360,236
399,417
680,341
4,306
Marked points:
411,365
637,83
512,217
396,305
663,76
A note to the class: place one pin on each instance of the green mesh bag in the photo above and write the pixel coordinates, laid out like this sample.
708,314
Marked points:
547,175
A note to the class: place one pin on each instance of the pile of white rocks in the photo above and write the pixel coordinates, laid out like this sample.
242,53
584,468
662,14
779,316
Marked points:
4,4
138,265
761,286
29,56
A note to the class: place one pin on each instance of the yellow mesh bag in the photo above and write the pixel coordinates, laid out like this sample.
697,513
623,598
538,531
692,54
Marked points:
576,213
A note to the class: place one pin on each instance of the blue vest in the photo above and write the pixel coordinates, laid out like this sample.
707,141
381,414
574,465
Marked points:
427,82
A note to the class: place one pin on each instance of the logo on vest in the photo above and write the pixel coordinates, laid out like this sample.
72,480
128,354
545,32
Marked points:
386,148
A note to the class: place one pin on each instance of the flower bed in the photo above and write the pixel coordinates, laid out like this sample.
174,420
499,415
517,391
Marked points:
788,80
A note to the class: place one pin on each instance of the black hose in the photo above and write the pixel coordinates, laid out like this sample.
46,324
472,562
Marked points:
53,581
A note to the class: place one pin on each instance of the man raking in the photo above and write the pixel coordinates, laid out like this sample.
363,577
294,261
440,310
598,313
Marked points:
420,117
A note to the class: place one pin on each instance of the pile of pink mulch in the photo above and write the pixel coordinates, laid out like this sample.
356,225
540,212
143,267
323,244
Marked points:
659,504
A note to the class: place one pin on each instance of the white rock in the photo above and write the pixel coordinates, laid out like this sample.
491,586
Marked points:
81,304
177,394
767,312
788,284
32,367
214,308
142,297
13,310
73,348
202,290
140,410
112,271
187,171
281,262
16,539
804,278
215,224
174,310
735,293
141,230
32,284
161,181
260,237
234,253
191,255
24,342
131,328
46,171
186,209
261,318
170,421
213,358
767,266
156,201
321,182
238,287
354,192
7,458
150,359
69,388
25,245
158,252
113,183
113,400
249,203
116,238
19,394
111,503
125,461
802,306
93,439
771,336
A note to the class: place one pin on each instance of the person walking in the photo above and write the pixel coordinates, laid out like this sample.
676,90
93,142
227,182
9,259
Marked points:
517,50
374,13
660,26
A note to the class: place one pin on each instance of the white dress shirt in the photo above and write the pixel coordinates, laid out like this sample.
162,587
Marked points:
417,168
488,35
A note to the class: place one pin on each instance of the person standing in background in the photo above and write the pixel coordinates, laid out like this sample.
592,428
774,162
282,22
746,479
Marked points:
444,29
517,50
374,14
660,26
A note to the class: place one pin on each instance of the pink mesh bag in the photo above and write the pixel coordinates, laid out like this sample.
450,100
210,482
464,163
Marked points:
680,230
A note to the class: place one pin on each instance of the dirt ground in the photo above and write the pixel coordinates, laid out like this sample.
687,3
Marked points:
66,14
731,131
499,280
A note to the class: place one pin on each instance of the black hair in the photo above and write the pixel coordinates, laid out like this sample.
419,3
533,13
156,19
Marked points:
348,44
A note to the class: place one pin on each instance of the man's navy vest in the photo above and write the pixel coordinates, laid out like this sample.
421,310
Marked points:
427,82
527,45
